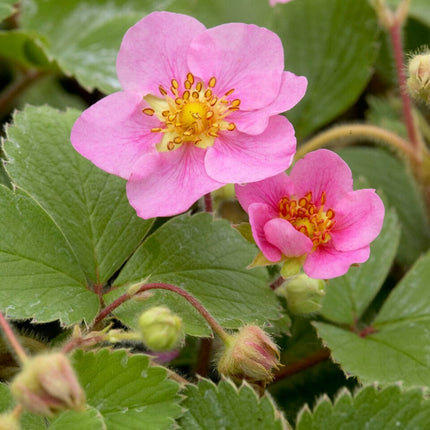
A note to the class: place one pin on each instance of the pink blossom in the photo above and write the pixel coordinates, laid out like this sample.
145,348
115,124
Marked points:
199,109
274,2
313,213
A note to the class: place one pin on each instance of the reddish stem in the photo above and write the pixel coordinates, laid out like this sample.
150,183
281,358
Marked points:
161,286
208,203
396,44
303,364
19,350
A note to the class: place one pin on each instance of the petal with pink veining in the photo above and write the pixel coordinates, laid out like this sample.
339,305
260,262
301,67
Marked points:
243,57
154,51
359,218
292,90
326,262
268,191
238,157
259,215
113,133
285,237
168,183
320,171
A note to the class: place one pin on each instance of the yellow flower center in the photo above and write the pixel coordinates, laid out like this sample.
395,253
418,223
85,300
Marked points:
197,115
309,218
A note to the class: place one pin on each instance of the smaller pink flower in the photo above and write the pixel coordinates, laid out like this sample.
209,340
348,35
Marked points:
314,213
274,2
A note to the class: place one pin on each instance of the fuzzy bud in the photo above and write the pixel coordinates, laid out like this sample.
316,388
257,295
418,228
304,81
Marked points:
303,294
419,77
161,329
251,355
47,384
8,421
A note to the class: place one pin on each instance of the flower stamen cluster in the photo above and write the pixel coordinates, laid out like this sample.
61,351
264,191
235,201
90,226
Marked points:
194,115
308,218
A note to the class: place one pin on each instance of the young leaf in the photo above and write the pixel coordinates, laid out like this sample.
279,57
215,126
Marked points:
212,407
39,275
89,205
348,296
128,391
206,258
369,409
396,347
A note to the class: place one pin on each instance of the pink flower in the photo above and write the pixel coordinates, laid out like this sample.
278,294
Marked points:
199,109
313,213
274,2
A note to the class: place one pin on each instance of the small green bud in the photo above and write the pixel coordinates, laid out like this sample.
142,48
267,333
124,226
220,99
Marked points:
303,294
161,329
8,421
419,77
47,384
249,354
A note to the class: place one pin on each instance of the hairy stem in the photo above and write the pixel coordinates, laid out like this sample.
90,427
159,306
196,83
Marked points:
14,343
216,327
358,131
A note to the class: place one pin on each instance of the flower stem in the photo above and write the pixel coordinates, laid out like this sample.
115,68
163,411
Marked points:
19,350
17,87
216,327
363,131
303,364
396,45
208,202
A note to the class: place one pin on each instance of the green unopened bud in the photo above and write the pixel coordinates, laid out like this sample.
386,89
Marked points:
251,355
47,384
9,421
419,77
303,294
161,329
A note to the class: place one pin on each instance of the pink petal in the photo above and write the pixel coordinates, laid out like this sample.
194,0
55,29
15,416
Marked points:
284,236
268,191
326,262
259,215
244,57
238,157
154,51
359,217
292,90
319,171
168,183
114,133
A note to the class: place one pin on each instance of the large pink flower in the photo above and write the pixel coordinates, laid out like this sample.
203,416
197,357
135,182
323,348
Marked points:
313,213
199,109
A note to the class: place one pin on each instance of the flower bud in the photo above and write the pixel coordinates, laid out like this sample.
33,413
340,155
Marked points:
161,329
8,421
419,77
250,354
303,294
47,384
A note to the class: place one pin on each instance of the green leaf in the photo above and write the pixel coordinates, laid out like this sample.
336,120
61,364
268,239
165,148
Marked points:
127,391
39,275
337,68
369,409
72,420
89,205
7,8
397,346
84,36
387,173
348,296
28,421
212,407
206,258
